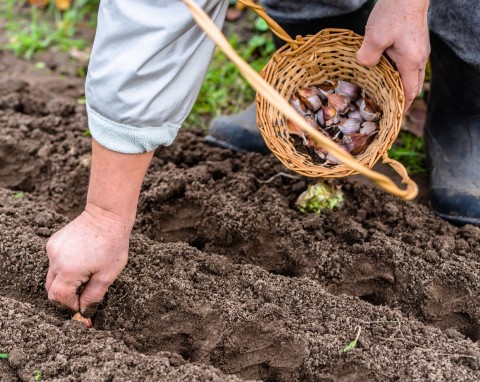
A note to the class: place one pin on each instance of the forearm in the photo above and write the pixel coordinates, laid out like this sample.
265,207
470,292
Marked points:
115,183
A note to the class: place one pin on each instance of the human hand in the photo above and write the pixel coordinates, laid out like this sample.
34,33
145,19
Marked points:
85,258
399,27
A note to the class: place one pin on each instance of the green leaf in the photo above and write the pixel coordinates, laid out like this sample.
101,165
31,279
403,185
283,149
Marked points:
261,25
19,195
4,355
350,346
87,133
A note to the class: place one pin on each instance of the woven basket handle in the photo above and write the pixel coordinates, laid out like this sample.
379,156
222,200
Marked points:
276,100
274,27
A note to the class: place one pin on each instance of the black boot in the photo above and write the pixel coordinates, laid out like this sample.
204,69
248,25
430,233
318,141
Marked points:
239,132
452,136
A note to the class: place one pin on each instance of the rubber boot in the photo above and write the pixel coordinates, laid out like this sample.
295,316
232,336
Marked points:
452,136
239,132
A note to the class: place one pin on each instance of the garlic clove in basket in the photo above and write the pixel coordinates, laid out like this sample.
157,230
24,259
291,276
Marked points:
299,106
369,111
294,129
327,87
357,142
348,126
312,121
320,117
368,127
355,114
321,152
330,116
339,102
311,98
349,89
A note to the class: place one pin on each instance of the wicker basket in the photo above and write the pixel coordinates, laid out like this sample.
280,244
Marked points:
310,60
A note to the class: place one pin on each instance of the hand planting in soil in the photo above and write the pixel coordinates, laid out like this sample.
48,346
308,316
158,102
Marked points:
341,111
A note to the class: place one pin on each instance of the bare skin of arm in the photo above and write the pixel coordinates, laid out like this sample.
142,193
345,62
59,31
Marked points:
399,28
87,255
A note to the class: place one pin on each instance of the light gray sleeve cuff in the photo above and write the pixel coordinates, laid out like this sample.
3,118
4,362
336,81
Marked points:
129,139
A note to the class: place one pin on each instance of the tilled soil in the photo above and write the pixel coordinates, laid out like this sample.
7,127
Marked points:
226,280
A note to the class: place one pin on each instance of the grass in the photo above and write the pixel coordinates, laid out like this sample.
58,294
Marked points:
42,29
410,151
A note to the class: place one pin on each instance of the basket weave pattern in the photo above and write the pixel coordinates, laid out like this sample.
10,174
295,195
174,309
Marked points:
330,55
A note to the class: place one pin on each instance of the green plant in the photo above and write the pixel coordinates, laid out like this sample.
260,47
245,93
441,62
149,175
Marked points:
42,29
19,195
37,375
410,150
352,345
319,196
4,355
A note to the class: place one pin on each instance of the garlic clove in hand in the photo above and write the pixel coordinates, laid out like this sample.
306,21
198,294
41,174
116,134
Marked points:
87,322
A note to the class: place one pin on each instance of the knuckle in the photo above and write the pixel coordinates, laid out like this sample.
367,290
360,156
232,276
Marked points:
377,40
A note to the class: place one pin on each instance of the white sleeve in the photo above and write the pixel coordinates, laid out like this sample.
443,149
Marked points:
148,62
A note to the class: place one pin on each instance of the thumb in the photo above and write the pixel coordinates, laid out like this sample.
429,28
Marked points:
92,295
371,50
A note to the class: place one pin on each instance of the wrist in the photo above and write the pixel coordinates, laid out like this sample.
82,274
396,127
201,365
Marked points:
107,223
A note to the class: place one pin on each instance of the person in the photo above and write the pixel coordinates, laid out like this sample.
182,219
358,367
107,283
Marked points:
147,65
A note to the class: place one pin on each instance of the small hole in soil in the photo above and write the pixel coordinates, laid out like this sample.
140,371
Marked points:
289,272
373,298
466,325
473,332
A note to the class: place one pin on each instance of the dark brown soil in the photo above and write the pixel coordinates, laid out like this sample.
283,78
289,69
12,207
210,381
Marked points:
225,277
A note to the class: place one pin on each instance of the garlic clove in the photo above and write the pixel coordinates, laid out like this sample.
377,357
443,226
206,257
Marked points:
311,98
294,129
339,102
299,106
320,117
351,90
327,87
87,322
368,127
356,143
348,126
355,114
330,116
330,159
312,121
369,111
